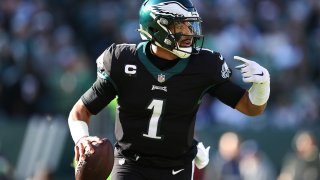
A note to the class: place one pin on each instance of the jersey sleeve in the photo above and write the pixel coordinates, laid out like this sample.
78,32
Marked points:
103,91
98,96
104,63
214,66
227,92
223,72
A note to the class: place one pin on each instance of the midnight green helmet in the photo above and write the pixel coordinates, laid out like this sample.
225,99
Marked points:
157,15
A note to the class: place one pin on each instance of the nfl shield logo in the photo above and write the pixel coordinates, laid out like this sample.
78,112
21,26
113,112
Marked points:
161,78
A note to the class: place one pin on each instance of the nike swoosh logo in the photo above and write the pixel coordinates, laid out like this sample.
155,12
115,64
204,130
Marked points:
176,172
261,74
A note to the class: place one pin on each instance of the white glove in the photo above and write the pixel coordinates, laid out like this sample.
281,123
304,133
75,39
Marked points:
202,157
252,72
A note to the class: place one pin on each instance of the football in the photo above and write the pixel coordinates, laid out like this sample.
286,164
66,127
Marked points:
98,165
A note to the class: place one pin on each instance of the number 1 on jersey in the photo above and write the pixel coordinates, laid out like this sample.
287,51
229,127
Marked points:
156,107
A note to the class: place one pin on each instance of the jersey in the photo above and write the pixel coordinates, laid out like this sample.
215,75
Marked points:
157,108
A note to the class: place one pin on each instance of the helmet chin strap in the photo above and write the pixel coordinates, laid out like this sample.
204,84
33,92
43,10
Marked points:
179,51
182,52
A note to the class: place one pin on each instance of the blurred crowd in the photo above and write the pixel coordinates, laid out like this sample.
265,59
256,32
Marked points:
48,50
238,159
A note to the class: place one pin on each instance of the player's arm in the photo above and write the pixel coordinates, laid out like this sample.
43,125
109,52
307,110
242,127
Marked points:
251,102
92,102
78,121
254,101
246,107
89,149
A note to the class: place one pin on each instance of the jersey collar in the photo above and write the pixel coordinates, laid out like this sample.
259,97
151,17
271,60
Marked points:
158,74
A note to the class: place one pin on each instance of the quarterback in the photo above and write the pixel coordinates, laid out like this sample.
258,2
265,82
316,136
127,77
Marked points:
159,84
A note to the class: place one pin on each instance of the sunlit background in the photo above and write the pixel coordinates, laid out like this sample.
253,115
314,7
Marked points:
48,50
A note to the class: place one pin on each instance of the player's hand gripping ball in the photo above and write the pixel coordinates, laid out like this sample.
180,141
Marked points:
97,165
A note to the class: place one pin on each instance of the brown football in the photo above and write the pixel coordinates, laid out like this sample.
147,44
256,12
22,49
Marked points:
98,165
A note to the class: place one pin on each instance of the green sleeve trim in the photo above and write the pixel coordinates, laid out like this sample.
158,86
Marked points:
102,75
105,76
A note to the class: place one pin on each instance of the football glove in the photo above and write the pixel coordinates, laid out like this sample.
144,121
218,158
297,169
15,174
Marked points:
252,72
202,157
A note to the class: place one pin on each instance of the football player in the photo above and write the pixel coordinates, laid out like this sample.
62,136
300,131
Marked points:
159,84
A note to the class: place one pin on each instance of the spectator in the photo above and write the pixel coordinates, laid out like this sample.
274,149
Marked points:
225,163
254,164
303,163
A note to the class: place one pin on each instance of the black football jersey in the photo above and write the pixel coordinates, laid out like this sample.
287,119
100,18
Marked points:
157,108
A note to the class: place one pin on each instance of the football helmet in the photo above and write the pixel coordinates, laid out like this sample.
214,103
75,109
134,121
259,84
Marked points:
160,21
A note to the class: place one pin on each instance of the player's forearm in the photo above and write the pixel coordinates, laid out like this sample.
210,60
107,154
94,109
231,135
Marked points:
245,106
255,110
78,121
80,112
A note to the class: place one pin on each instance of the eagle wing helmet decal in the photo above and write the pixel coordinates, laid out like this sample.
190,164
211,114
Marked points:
172,8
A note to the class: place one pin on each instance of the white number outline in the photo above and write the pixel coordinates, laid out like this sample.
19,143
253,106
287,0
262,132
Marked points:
156,106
